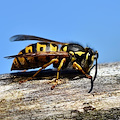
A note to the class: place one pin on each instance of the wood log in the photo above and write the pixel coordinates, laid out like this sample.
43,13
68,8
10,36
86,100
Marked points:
35,100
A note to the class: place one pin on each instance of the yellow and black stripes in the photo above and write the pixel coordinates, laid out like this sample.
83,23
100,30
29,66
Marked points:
33,62
40,47
46,52
72,47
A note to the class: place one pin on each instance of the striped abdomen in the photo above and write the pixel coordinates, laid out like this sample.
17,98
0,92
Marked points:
21,63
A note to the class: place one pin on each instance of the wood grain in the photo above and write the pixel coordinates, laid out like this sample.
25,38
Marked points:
71,100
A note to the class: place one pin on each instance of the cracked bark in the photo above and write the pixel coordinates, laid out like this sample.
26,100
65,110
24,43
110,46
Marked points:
71,100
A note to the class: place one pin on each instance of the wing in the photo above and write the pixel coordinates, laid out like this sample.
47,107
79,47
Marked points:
30,37
60,54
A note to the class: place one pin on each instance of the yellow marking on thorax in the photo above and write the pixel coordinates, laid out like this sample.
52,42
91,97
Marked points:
41,47
53,48
28,49
73,57
72,53
79,53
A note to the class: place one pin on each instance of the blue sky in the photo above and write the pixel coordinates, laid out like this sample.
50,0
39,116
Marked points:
93,23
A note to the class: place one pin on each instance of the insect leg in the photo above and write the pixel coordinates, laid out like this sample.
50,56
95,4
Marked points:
43,67
60,66
77,66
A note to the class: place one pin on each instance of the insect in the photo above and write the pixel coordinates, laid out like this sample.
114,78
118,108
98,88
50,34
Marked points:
47,52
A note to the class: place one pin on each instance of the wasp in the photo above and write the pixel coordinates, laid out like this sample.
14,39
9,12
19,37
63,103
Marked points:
47,52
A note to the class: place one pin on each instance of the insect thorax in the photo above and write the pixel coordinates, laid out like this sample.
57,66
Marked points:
80,55
76,53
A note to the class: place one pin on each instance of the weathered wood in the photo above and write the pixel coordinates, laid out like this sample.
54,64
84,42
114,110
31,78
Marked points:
35,99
